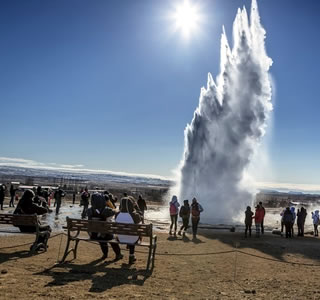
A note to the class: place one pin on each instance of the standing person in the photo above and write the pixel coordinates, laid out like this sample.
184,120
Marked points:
142,205
99,211
196,209
264,213
292,209
74,198
185,216
58,195
258,218
12,194
2,194
248,221
85,196
174,211
301,218
288,221
315,218
303,215
282,222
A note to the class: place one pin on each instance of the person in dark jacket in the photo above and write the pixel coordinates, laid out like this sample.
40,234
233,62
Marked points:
2,194
301,218
142,206
12,195
100,211
85,196
184,214
248,221
58,195
288,219
26,206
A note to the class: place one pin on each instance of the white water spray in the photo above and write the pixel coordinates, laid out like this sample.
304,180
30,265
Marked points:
228,124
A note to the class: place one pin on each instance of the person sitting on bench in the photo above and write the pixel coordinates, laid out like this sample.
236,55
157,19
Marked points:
131,214
100,211
26,206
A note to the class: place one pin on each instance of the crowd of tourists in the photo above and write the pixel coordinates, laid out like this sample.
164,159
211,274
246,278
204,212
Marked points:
289,217
103,207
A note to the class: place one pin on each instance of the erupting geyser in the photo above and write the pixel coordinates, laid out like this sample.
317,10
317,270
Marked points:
228,124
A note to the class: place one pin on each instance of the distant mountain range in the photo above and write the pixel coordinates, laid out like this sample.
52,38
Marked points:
84,176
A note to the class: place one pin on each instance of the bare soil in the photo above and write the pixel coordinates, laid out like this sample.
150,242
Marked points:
206,268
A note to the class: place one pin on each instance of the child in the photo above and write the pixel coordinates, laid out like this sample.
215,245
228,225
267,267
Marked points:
174,210
185,215
248,221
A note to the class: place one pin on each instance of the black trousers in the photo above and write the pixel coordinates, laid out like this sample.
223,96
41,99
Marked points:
11,201
85,210
58,204
195,222
262,227
174,219
315,229
288,226
185,224
104,245
248,227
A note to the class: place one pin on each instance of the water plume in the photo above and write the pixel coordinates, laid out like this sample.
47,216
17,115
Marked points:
228,124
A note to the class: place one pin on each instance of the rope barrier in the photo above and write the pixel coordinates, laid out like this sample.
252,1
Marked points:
29,243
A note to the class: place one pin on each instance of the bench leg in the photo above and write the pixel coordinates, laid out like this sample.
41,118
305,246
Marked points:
149,258
66,252
75,249
154,251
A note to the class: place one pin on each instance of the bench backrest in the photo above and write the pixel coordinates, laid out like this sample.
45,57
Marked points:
17,220
109,227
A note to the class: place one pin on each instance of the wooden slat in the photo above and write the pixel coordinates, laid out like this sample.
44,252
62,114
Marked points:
87,239
6,218
107,227
16,220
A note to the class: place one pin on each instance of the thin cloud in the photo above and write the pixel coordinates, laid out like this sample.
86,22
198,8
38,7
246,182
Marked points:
27,163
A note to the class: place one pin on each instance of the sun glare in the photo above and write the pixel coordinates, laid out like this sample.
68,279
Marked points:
186,18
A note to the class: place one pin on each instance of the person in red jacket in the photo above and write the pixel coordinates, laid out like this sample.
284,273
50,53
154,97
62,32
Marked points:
258,218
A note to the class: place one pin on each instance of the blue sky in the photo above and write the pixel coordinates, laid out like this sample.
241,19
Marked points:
109,85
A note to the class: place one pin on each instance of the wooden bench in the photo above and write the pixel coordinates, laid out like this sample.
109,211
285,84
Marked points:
76,226
26,220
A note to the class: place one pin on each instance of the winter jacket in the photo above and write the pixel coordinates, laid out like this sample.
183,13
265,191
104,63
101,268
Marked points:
315,217
259,215
174,206
248,220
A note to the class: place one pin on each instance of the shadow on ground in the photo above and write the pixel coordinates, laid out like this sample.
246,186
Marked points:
277,247
101,276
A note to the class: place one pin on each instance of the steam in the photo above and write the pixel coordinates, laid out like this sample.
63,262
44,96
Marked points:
228,124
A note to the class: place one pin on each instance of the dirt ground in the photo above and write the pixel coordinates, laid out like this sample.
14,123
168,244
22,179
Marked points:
184,269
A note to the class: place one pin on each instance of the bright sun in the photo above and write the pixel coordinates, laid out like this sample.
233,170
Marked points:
186,18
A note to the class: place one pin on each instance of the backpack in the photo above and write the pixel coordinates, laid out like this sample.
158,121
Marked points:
173,209
184,211
195,210
98,201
